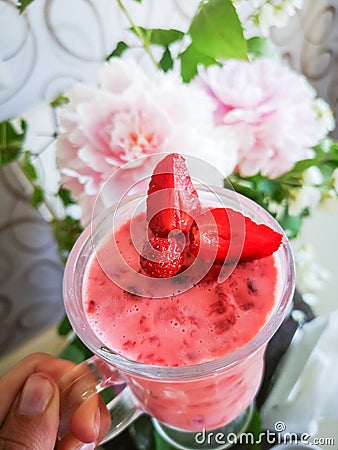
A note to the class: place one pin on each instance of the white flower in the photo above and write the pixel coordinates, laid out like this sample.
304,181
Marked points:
264,14
271,16
312,176
311,277
306,197
325,117
329,201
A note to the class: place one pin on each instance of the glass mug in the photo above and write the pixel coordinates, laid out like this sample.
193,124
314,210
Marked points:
191,406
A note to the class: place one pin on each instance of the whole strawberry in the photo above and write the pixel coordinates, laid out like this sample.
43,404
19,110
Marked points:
162,257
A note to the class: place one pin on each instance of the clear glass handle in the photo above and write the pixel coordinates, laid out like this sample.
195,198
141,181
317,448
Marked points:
89,378
122,413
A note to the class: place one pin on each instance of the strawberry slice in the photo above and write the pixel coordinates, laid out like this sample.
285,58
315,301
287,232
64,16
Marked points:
172,200
162,257
220,227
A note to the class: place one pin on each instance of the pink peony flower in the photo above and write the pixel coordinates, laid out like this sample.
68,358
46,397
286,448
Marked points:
129,116
271,110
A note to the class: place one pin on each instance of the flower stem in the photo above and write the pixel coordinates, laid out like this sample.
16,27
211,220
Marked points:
138,32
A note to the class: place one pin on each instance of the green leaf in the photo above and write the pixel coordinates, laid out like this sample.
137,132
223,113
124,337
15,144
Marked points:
166,62
301,166
38,196
334,149
254,430
72,353
191,58
58,101
141,432
291,224
11,141
271,190
268,187
327,167
217,31
165,37
160,443
28,167
261,47
66,232
75,351
107,394
64,327
23,4
66,197
159,36
118,50
247,188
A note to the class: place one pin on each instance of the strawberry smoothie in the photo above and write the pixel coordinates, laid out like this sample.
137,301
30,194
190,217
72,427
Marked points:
201,324
143,293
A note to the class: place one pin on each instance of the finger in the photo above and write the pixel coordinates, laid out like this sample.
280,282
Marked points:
70,442
84,427
85,421
91,421
105,420
62,371
12,382
79,403
33,419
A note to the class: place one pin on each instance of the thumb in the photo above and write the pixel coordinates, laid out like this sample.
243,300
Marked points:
33,419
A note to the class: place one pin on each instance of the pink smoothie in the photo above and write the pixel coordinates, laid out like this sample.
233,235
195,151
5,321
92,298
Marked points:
199,325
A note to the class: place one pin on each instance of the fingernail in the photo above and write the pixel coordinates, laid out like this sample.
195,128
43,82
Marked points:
97,422
36,395
90,446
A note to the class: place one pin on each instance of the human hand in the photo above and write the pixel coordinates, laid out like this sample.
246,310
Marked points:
29,408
